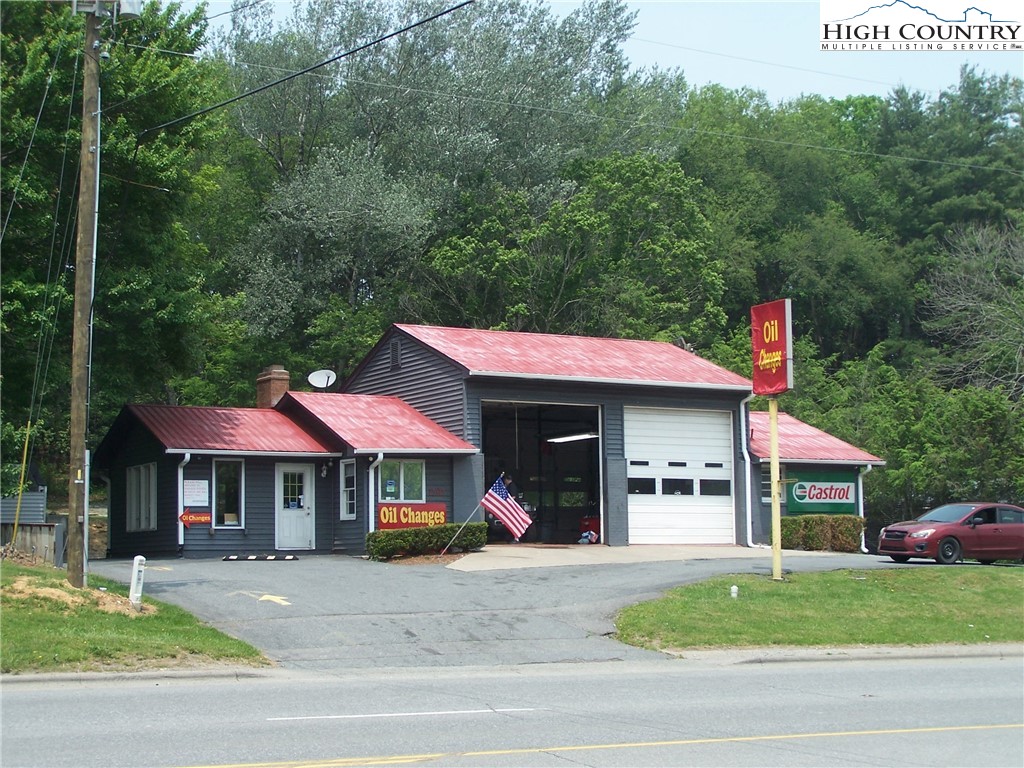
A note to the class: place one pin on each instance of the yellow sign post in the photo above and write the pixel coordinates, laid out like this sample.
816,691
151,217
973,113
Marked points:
773,437
771,338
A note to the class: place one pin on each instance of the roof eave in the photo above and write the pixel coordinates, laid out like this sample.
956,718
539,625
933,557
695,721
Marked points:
598,380
275,454
418,451
843,462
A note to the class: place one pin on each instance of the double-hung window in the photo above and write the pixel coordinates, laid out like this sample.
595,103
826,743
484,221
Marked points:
140,497
402,481
229,494
766,484
348,490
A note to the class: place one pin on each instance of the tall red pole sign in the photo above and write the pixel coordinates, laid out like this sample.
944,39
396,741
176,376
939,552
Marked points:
771,331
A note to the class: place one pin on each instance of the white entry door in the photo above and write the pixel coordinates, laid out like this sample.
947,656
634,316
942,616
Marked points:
295,501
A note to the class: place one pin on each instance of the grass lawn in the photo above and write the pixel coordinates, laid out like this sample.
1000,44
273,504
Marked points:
47,625
909,606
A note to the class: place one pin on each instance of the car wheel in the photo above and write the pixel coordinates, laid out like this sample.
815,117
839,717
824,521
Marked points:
949,551
899,558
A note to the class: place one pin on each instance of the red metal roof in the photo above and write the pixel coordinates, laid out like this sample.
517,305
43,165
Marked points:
579,358
800,442
236,430
375,423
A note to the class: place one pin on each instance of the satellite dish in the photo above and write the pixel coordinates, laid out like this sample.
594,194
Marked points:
321,379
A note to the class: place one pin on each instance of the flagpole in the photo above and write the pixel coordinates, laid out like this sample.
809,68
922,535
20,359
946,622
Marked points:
460,529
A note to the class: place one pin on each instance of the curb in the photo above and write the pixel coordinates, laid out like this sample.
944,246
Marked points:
736,656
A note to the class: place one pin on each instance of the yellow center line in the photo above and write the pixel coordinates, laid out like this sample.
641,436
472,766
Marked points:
401,759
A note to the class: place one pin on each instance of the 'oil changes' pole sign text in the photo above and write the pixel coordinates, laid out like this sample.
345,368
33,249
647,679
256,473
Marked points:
771,333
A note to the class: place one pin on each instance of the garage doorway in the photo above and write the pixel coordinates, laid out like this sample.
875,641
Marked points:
552,453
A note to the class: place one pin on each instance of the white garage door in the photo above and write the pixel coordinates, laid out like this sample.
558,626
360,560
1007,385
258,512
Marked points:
680,476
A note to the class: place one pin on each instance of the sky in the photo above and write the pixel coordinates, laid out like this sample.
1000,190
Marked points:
773,47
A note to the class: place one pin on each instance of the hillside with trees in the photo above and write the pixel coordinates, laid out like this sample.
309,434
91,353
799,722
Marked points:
503,167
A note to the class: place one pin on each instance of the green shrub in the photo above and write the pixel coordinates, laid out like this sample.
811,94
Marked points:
385,544
822,533
790,527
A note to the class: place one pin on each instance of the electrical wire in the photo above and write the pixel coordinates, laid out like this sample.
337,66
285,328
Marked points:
32,136
324,63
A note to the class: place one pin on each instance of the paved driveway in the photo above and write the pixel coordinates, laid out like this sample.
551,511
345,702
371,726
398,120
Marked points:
505,605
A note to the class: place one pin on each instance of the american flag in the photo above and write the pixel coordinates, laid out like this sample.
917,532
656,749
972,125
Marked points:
504,507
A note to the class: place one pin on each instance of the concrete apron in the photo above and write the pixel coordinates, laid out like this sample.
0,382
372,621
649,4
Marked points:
495,557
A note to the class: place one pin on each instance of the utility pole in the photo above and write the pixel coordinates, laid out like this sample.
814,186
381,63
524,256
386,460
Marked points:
85,250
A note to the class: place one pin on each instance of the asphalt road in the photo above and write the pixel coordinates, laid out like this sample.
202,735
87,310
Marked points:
939,711
330,613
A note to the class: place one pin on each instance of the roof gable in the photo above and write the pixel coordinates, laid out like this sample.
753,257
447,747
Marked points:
800,442
377,423
508,354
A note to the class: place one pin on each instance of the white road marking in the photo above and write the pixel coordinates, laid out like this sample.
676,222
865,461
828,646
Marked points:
406,714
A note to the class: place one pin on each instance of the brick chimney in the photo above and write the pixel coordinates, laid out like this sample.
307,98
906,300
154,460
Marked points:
271,385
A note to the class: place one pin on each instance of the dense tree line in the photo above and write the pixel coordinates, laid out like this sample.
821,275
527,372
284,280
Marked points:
505,167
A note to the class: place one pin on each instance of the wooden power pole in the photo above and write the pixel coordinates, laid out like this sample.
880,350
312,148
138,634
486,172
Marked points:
85,255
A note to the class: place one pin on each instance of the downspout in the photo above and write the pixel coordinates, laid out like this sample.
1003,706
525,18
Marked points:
181,502
748,469
370,516
860,506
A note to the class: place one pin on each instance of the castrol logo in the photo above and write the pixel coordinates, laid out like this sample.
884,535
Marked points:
826,493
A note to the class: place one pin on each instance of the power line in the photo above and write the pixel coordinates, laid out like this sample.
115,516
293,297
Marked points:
761,62
324,63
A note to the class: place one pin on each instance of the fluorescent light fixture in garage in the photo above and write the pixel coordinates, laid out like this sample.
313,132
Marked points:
573,438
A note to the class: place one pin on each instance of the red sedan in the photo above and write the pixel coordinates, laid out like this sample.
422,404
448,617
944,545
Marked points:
982,531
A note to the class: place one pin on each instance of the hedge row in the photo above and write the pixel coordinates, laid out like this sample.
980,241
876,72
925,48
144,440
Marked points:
385,544
823,533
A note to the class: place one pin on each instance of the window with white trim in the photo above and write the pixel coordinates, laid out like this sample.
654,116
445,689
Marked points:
140,497
402,481
348,490
229,494
766,484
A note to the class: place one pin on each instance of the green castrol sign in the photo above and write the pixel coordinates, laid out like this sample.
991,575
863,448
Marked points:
821,493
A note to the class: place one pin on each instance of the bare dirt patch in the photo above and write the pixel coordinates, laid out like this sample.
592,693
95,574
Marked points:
25,587
444,559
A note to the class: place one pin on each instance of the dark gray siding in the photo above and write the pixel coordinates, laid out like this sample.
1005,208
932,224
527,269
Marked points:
140,447
425,380
257,536
466,490
615,473
349,536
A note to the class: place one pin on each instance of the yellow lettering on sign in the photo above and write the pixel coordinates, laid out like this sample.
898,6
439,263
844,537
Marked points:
769,361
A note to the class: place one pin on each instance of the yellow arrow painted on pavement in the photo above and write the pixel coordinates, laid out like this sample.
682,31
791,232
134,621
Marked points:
275,599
